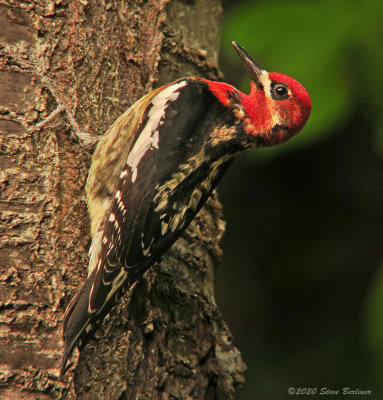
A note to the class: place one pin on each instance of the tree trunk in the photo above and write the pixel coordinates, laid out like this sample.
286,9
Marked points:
69,68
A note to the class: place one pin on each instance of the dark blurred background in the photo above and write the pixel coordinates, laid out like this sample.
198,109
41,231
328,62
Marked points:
301,285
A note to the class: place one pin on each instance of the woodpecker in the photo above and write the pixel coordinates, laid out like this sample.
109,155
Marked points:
157,165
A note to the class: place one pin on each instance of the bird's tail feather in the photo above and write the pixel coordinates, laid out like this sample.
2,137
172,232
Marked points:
79,323
76,319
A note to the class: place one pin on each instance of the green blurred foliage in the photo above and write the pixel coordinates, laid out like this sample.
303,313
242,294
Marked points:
327,45
302,279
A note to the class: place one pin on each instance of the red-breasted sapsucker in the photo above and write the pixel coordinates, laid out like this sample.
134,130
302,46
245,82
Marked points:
156,166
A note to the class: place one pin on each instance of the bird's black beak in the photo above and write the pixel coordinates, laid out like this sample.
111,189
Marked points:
253,68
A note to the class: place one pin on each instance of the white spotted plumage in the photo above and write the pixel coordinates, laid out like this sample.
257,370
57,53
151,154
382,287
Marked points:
120,203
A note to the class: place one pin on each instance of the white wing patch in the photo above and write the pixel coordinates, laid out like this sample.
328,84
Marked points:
149,136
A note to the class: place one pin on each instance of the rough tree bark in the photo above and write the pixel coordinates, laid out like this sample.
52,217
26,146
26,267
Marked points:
69,67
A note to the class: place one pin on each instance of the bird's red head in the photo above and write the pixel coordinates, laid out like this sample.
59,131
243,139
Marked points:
277,107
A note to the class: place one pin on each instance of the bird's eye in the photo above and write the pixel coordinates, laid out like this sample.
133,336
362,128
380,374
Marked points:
279,91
